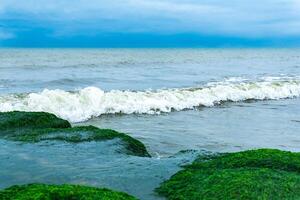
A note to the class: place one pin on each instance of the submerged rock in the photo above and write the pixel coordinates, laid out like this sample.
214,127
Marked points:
253,174
40,126
52,192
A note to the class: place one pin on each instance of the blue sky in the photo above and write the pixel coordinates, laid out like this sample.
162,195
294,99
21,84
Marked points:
149,23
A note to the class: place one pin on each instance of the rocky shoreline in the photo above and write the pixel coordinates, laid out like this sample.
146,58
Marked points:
252,174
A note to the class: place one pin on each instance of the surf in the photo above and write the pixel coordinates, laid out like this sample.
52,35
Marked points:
83,104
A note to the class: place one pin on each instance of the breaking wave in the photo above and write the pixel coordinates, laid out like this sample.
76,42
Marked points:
90,102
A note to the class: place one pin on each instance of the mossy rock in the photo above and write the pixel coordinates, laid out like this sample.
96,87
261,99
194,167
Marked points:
81,134
260,158
40,126
28,120
254,174
60,192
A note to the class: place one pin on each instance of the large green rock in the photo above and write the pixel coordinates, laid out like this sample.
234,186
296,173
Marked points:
60,192
254,174
40,126
28,120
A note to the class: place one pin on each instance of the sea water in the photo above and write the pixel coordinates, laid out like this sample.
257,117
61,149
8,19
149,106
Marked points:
170,99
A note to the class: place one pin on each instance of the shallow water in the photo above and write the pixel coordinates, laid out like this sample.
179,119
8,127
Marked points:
229,127
88,163
170,99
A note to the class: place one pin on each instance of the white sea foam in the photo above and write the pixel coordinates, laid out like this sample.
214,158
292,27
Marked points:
91,101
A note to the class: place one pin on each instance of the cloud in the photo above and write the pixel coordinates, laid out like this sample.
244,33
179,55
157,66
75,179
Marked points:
230,18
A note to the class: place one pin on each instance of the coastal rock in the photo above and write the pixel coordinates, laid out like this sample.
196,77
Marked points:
252,174
30,120
51,192
39,126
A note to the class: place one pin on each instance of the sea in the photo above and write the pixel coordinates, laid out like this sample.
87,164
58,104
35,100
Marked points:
172,100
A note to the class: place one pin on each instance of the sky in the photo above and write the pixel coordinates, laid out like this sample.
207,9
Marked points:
149,23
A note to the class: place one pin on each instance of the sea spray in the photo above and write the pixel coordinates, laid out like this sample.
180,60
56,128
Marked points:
90,102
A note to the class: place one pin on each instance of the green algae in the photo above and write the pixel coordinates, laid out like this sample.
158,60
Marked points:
81,134
38,126
21,120
253,174
60,192
260,158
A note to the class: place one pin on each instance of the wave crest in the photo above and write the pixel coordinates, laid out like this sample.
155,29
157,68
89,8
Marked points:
92,101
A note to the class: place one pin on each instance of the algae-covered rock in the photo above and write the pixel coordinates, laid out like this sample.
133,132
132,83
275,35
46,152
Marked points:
81,134
40,126
60,192
21,120
260,158
253,174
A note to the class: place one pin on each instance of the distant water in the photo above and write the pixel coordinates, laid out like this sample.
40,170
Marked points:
171,99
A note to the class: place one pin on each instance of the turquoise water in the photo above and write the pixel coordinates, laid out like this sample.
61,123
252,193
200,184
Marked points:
170,99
